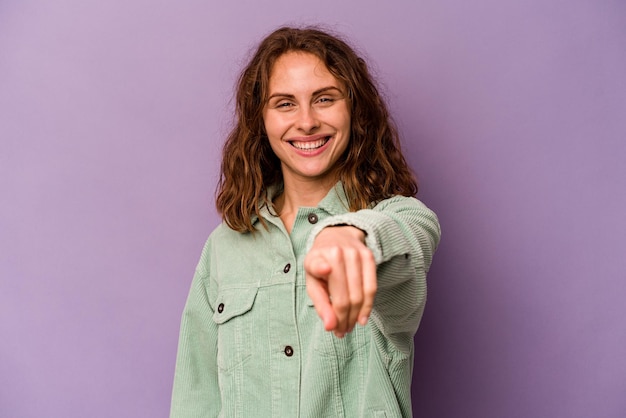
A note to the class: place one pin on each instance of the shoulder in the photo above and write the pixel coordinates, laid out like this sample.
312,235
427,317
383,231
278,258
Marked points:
396,202
222,239
223,231
407,206
225,245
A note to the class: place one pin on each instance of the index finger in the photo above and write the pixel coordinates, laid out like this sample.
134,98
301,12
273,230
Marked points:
321,301
317,289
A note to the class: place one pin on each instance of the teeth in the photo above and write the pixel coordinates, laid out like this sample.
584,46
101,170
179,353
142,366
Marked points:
310,145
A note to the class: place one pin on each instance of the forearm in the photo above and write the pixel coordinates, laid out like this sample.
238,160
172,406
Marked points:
402,234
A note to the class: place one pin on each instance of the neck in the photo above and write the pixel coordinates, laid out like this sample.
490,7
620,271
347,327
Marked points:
297,194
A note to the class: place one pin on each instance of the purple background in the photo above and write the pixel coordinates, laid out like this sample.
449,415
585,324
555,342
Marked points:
513,114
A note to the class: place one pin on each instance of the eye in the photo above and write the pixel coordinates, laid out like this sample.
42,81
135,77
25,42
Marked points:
325,100
283,104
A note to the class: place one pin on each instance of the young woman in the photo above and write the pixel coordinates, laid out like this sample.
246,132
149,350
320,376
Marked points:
306,299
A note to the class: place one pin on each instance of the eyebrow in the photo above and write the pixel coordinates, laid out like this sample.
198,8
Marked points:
315,93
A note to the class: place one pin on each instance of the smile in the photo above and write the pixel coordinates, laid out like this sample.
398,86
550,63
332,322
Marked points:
310,145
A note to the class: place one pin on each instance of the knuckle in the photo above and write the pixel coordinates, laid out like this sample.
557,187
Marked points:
335,252
356,294
370,291
356,301
367,254
351,252
341,305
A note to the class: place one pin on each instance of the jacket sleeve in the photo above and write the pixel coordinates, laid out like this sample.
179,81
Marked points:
196,392
403,234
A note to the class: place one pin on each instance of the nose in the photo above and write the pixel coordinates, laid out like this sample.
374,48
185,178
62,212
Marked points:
307,121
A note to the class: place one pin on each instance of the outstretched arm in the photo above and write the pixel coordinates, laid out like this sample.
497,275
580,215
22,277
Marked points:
398,236
341,267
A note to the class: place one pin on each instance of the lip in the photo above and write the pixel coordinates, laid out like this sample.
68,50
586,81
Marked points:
311,139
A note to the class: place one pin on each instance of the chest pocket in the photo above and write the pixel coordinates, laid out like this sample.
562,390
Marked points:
233,317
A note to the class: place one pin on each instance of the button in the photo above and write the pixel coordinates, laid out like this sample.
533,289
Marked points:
313,218
220,308
287,268
288,351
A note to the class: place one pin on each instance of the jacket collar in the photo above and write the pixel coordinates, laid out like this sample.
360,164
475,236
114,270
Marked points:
334,203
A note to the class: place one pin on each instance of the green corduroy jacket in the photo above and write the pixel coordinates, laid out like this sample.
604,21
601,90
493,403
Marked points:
252,345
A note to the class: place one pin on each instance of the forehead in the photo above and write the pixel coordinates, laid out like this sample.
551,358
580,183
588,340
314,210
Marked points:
299,70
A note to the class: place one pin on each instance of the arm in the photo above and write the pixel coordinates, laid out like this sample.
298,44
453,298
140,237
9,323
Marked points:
402,234
195,391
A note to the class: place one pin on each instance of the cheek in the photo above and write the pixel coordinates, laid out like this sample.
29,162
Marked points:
344,119
273,133
272,126
346,125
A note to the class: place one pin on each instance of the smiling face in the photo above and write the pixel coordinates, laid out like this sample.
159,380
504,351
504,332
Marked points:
307,119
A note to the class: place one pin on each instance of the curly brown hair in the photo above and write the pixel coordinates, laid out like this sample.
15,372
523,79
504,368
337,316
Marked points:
372,168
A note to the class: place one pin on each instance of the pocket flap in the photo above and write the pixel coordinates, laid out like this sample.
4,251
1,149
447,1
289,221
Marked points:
233,302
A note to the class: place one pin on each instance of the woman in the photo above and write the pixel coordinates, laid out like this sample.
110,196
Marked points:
306,299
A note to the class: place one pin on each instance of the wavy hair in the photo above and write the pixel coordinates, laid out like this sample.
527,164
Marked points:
372,168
